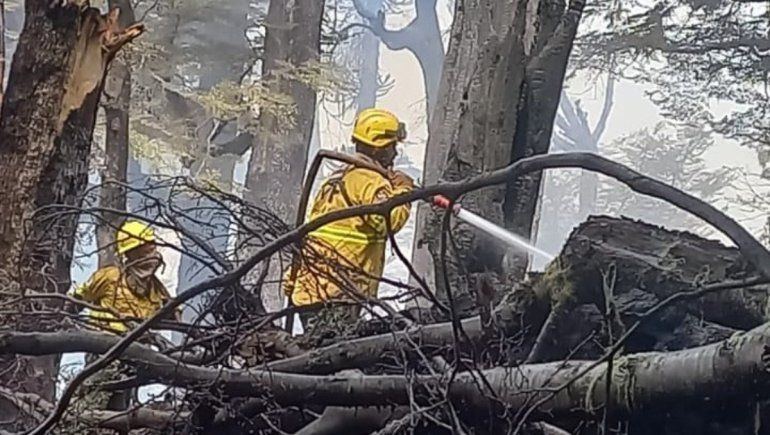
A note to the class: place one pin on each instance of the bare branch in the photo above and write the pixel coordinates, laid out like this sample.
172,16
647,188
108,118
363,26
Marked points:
138,418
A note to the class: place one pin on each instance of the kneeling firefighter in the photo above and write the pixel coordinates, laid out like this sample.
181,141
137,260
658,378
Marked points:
350,253
127,292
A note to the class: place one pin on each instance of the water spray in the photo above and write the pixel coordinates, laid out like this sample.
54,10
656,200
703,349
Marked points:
497,232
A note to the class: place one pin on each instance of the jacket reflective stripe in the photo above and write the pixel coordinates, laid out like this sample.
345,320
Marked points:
329,232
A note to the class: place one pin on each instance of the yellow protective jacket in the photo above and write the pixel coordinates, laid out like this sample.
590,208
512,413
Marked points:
107,288
348,253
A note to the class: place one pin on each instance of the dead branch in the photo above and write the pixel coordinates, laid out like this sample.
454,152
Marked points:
363,352
351,421
51,343
138,418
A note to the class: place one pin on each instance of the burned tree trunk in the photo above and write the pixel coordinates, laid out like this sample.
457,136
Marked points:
635,266
498,112
46,124
2,50
279,154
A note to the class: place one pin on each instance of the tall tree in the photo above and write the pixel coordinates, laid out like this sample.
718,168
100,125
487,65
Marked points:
117,103
2,49
478,126
421,36
279,153
46,124
695,44
574,133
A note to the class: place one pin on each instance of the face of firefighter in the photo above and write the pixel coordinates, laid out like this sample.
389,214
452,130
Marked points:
384,156
144,260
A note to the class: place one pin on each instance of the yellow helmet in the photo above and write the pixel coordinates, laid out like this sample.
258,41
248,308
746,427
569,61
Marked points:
134,234
378,128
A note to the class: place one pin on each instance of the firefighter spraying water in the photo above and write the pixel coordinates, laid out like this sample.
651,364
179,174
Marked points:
352,252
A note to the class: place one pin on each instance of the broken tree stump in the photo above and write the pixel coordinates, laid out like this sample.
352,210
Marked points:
661,262
639,265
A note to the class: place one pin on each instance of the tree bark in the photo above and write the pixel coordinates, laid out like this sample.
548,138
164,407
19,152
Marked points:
660,262
139,418
499,111
279,154
2,50
46,124
542,87
117,103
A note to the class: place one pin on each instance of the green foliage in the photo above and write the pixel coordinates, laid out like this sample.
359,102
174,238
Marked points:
700,58
229,100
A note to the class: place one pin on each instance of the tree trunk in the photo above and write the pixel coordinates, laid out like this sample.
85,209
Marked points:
732,369
117,103
46,124
2,50
644,386
369,58
542,87
279,154
498,112
422,37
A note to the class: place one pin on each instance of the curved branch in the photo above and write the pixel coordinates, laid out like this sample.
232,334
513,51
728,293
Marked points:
754,252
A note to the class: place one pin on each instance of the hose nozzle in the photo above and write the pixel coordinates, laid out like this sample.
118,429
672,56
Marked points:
442,201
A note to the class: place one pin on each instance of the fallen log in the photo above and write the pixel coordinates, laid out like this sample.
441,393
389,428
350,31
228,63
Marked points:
736,368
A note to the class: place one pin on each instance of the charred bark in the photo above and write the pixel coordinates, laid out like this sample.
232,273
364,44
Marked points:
2,50
46,124
499,111
658,262
544,76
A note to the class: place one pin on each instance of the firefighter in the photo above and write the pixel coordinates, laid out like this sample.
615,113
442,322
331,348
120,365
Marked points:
129,289
127,292
350,253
